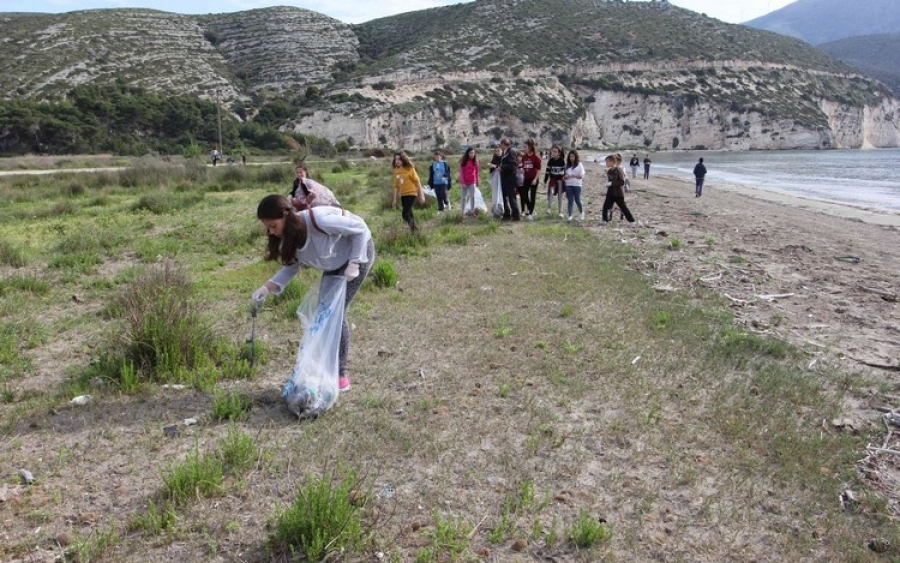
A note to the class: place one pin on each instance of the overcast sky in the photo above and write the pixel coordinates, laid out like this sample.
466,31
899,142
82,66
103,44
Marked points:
357,11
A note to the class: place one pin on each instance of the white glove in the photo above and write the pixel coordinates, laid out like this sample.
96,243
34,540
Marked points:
260,295
351,271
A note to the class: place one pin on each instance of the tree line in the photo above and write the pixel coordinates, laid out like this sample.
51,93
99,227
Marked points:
129,120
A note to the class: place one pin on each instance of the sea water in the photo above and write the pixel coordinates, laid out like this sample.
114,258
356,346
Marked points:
864,178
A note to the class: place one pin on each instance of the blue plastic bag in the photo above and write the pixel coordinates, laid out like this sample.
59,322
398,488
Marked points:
313,386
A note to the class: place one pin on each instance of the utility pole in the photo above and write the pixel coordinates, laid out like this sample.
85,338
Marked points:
219,123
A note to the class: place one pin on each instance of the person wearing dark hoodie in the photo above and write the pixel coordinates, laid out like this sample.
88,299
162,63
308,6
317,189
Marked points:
508,168
634,163
699,176
615,191
553,179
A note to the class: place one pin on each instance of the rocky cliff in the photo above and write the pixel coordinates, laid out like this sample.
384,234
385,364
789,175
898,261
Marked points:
583,72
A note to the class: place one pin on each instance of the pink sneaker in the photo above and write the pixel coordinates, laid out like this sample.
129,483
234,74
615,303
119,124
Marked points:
343,383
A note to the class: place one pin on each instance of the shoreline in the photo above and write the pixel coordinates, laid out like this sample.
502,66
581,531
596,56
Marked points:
881,217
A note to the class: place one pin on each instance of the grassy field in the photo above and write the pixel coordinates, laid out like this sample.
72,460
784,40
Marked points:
520,393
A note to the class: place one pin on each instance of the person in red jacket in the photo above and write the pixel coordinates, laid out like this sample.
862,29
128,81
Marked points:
531,167
468,181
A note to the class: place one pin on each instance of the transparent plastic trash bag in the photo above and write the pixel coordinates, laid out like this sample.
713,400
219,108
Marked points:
313,386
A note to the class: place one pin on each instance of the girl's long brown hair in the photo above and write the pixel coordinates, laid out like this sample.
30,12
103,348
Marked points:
284,249
404,160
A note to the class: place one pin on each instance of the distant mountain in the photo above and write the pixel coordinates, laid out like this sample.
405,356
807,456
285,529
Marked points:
876,55
821,21
574,72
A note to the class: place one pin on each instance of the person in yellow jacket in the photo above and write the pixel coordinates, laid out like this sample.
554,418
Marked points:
408,186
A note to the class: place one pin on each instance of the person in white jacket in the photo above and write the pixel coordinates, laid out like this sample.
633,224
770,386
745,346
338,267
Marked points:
573,176
329,239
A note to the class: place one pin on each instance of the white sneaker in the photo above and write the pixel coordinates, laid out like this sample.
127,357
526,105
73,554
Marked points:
449,207
570,218
561,216
529,217
549,211
581,217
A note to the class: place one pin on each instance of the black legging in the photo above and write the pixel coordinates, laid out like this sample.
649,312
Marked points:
528,193
408,201
511,208
616,200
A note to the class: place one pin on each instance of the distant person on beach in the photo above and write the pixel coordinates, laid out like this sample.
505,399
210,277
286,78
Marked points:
553,178
615,191
306,192
468,181
634,164
508,169
439,180
647,162
531,168
699,175
574,176
407,186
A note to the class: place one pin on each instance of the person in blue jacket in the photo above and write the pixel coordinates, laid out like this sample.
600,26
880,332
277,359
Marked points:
439,180
699,175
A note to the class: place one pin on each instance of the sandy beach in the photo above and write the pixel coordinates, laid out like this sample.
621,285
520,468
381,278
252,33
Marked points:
819,275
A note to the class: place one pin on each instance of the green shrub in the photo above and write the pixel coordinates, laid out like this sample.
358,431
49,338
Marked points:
323,519
12,255
200,475
161,202
238,451
586,531
165,333
153,520
384,274
230,406
401,242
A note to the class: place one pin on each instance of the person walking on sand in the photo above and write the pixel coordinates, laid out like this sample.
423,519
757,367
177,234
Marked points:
615,191
699,176
408,187
574,176
439,180
634,163
468,181
328,239
306,192
508,168
531,167
553,178
647,162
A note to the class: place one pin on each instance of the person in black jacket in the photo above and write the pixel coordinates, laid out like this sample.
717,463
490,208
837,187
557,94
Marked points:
508,168
634,163
615,191
699,175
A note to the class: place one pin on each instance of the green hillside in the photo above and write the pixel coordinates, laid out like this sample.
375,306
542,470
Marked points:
874,55
497,35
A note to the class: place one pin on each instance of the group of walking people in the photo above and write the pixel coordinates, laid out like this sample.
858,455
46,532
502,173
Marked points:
515,179
309,227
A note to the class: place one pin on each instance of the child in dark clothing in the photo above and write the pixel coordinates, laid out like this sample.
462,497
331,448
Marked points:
615,191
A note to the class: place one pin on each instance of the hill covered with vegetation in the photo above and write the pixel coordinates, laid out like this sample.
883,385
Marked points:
875,55
578,72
